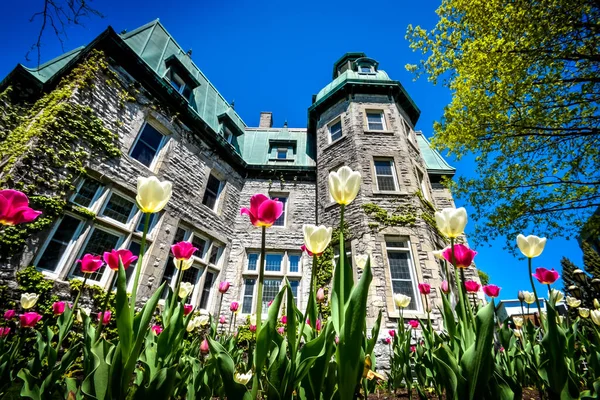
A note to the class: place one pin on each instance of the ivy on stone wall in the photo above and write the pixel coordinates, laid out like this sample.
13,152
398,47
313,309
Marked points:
403,215
31,280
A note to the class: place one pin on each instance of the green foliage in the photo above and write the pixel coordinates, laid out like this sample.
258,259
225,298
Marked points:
98,296
31,280
402,216
483,277
591,265
523,75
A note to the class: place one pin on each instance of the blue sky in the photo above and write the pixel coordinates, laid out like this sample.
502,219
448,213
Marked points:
273,56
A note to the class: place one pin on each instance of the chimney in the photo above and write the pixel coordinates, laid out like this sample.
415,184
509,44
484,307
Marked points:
266,119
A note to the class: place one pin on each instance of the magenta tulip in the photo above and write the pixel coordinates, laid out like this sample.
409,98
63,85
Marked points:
269,303
472,286
29,319
281,330
112,258
424,288
204,347
14,208
462,254
284,319
187,309
222,320
388,340
157,329
445,287
224,287
546,276
58,307
183,250
413,348
318,325
4,331
491,290
392,332
252,328
263,211
9,314
104,317
413,323
234,306
90,263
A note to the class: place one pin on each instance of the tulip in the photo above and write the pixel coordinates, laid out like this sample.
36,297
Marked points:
463,256
222,320
152,194
252,328
4,331
183,250
413,323
316,238
451,222
472,286
583,312
263,211
445,287
545,276
344,185
528,297
104,317
29,319
388,340
112,258
361,260
157,329
518,321
392,332
90,263
304,249
424,288
83,310
187,308
28,300
595,314
413,348
521,296
401,300
161,305
531,246
517,333
224,287
269,303
556,295
202,320
573,302
185,289
204,347
281,330
14,208
320,295
491,290
318,325
183,264
253,319
58,307
439,254
9,314
284,319
193,324
242,379
596,304
234,307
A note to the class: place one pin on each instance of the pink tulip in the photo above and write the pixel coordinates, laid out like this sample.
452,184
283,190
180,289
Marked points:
157,329
223,287
491,290
392,332
413,348
320,295
9,314
388,340
424,288
112,258
284,319
445,287
222,319
269,303
58,307
104,317
90,263
234,306
204,347
252,328
501,349
472,286
14,208
337,340
263,211
303,248
281,330
29,319
546,276
183,250
413,323
318,325
462,254
187,309
4,331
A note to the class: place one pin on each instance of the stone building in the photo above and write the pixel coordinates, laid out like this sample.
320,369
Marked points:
168,120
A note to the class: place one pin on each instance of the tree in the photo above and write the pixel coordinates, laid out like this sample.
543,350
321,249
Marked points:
591,262
525,80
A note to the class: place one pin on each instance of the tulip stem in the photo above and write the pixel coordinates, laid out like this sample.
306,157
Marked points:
106,299
259,293
459,286
138,266
313,273
537,301
342,250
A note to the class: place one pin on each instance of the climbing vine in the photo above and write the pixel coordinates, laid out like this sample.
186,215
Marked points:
31,280
402,216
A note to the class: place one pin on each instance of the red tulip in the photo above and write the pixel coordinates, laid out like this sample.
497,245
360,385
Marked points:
187,309
424,288
318,325
58,307
303,248
284,319
388,340
90,263
112,258
462,255
392,332
445,287
4,331
222,319
224,287
234,306
183,250
263,211
204,347
9,314
14,208
157,329
104,317
491,290
413,348
29,319
413,323
472,286
545,276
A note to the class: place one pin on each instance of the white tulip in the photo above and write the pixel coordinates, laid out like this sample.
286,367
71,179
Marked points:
28,300
556,296
451,222
242,379
361,260
595,314
573,302
183,264
316,238
518,321
185,289
439,254
531,246
528,297
152,194
161,305
253,319
401,300
583,312
83,310
344,185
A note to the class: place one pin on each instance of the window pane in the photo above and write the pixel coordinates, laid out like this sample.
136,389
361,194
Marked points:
208,282
212,192
396,243
153,220
375,121
270,290
335,131
186,92
295,285
248,294
386,183
282,154
191,275
273,262
199,243
135,248
147,145
99,242
399,264
215,254
294,263
281,220
252,261
365,69
118,208
179,235
86,193
383,167
213,184
406,288
58,244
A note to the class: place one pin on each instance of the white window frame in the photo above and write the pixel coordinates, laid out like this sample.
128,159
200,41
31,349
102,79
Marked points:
95,198
129,225
423,184
394,175
407,131
218,194
330,125
412,269
228,135
383,121
161,145
281,150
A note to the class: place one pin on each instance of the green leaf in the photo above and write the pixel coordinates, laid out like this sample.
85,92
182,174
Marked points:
124,322
291,321
553,358
226,369
30,388
267,331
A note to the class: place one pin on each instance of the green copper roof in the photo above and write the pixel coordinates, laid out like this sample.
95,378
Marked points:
48,69
433,160
259,146
379,76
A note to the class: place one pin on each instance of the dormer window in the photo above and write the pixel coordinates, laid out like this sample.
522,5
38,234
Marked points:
179,84
228,136
365,69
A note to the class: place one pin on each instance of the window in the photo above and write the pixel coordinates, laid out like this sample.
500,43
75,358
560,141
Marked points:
407,132
228,135
147,145
215,254
294,262
61,239
98,242
375,121
170,270
270,289
335,131
281,220
348,254
282,153
402,269
212,192
87,193
423,185
153,220
365,69
252,261
179,84
386,175
273,262
119,208
201,244
134,247
208,283
295,285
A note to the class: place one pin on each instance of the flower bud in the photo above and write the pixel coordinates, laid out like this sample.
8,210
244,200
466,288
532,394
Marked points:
320,295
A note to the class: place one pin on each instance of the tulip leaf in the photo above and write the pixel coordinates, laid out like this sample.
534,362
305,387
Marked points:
291,321
374,335
554,364
124,323
267,331
226,370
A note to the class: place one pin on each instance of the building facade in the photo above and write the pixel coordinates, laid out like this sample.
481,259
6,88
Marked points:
167,119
